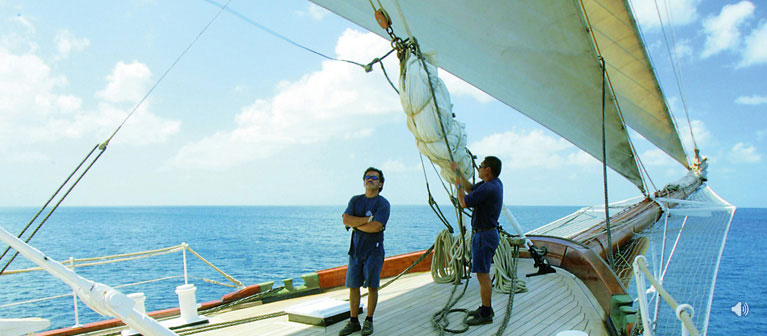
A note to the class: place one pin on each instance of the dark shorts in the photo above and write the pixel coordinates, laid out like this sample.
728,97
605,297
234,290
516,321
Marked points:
365,272
483,245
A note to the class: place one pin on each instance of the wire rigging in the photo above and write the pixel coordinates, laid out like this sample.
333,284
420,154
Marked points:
135,108
278,35
74,184
103,146
674,59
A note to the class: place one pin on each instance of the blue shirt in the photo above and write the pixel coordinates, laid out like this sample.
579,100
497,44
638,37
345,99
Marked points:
362,243
487,200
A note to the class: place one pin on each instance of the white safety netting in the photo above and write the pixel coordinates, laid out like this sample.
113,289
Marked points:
427,120
684,252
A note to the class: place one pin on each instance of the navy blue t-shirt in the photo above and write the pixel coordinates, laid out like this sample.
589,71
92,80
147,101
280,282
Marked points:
487,200
363,243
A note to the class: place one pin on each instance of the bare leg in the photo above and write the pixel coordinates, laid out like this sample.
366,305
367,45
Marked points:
354,301
372,300
485,288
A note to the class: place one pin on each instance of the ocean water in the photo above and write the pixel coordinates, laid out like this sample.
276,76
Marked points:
263,243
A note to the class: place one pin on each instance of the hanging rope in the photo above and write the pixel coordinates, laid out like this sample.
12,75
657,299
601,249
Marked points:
418,261
506,271
506,260
432,203
449,263
450,254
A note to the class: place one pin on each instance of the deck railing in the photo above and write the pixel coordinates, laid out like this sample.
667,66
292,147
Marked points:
684,312
73,263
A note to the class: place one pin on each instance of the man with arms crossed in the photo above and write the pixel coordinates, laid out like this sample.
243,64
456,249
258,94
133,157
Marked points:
367,214
486,198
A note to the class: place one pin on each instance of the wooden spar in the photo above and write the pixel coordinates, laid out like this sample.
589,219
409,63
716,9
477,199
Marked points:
630,221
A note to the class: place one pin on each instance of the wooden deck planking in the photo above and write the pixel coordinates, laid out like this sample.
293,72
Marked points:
554,302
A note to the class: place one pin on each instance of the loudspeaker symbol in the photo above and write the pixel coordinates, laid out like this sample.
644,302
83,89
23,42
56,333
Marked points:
740,309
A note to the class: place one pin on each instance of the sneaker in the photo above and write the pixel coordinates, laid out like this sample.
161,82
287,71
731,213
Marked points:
350,328
367,328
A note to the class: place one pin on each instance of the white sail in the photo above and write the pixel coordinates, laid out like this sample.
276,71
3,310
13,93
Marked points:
539,58
635,86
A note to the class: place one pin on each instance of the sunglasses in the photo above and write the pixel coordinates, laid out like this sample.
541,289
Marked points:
371,177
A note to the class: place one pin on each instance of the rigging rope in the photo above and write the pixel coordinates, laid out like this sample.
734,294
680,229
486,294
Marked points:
278,35
677,74
135,108
73,263
604,168
439,320
227,276
16,254
433,203
48,202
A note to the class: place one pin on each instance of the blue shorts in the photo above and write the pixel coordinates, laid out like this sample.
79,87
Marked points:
365,272
483,245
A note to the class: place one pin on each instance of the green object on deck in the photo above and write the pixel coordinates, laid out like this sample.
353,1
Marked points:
311,280
621,311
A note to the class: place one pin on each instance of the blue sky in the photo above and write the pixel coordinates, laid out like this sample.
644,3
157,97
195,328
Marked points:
245,118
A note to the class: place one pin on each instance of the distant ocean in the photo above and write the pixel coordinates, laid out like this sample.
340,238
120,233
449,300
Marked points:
269,243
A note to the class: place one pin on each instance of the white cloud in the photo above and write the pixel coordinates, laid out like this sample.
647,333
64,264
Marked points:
32,109
699,130
126,83
683,49
458,87
24,22
397,166
751,100
744,153
66,42
314,11
126,86
36,105
143,128
24,157
657,157
755,51
723,31
339,101
682,12
521,150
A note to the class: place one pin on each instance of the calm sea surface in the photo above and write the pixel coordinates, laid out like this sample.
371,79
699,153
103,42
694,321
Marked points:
256,244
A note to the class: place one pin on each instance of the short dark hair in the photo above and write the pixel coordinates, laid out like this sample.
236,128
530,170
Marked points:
495,165
380,175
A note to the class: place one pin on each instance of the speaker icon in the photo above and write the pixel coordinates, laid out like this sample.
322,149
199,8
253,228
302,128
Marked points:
740,309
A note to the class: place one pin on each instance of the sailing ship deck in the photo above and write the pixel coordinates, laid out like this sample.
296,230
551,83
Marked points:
553,303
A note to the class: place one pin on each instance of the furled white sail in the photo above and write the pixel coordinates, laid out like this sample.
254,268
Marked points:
437,135
539,58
